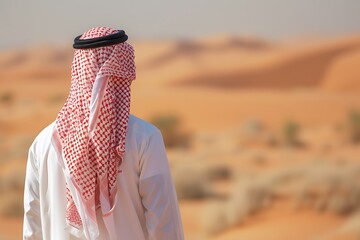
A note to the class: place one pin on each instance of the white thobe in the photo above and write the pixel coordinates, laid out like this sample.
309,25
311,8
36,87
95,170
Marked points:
146,204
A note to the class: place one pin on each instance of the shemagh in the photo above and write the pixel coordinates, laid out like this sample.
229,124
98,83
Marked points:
90,131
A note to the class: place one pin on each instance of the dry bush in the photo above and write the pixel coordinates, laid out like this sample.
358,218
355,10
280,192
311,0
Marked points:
248,197
322,186
220,172
252,127
354,126
191,183
215,219
250,132
169,126
6,98
330,187
253,133
291,131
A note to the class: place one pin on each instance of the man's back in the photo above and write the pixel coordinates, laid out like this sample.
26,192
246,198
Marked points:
145,207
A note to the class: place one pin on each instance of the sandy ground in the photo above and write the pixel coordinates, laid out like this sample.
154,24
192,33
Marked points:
283,222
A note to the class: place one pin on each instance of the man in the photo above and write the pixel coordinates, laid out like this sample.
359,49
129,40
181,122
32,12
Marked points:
99,172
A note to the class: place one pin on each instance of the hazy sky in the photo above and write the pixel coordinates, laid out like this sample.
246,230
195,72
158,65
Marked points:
31,21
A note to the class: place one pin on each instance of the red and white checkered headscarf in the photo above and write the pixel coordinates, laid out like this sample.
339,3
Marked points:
91,129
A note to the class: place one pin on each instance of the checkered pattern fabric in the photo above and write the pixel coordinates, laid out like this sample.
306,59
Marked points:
93,158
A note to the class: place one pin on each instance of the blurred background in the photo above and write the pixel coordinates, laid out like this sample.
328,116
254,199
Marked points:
258,102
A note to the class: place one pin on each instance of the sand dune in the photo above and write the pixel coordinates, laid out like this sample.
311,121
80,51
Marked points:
40,62
344,73
294,68
268,66
224,62
218,45
229,62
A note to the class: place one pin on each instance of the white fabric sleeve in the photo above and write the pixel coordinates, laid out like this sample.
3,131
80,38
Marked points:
158,194
32,219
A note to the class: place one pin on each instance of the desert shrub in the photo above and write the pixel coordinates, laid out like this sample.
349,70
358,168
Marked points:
322,186
220,172
248,197
215,219
252,127
169,126
191,183
354,126
250,132
253,133
291,133
6,97
330,188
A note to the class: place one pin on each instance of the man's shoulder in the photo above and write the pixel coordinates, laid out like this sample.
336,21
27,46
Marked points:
141,126
43,137
46,132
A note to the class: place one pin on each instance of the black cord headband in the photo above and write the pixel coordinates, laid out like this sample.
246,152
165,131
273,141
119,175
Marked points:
107,40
